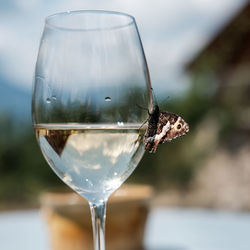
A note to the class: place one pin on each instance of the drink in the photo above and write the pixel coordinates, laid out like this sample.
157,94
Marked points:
91,67
94,160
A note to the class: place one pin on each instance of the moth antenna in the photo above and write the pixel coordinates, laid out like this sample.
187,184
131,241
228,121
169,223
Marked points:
141,107
168,97
148,114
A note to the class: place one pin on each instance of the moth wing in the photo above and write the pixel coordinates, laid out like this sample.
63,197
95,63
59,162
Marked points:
165,118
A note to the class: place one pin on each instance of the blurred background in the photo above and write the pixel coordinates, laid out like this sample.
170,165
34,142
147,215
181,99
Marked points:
198,53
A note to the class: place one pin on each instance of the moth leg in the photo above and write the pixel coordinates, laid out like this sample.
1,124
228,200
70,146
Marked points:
153,150
149,143
139,138
143,123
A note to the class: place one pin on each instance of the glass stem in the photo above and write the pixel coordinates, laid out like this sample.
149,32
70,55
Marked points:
98,215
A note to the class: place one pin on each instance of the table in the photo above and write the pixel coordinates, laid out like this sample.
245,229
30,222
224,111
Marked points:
166,229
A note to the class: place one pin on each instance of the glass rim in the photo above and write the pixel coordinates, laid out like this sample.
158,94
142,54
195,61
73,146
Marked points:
48,20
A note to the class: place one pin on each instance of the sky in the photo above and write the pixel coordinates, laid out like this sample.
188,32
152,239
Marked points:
172,32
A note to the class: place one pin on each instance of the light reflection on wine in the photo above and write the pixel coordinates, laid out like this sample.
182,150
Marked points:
92,160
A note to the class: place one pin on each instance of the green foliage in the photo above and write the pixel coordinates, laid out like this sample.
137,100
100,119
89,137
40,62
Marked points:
23,170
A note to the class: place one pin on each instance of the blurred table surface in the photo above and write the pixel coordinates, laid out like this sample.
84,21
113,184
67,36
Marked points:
166,229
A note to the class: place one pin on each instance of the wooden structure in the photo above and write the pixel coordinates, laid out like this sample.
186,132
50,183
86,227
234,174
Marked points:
69,221
224,66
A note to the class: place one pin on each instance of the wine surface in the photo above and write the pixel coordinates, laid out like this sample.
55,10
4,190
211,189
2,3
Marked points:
94,160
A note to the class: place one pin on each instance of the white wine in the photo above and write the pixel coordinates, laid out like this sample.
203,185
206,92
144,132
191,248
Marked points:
94,160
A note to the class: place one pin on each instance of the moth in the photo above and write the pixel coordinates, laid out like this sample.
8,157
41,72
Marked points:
162,127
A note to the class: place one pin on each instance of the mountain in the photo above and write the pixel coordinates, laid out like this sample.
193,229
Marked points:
14,101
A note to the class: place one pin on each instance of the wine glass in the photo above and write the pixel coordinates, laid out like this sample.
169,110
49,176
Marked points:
91,80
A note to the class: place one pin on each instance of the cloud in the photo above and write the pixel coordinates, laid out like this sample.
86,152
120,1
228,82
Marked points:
171,31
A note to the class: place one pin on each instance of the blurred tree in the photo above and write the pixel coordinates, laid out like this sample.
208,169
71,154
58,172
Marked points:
23,169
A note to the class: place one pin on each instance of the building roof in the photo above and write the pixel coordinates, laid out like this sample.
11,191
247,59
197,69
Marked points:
231,45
